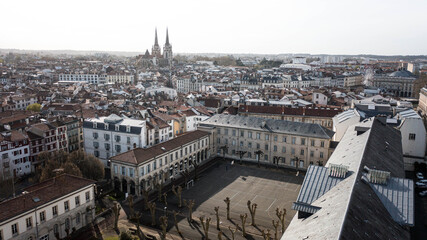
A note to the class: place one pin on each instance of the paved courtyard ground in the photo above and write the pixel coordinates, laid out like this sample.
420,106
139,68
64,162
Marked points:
268,188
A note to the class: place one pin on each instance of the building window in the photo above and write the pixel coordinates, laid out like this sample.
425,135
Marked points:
275,148
218,131
275,138
233,142
412,136
128,140
312,143
258,136
96,153
293,151
42,216
78,218
66,206
311,153
266,146
14,229
249,145
29,222
302,141
127,128
107,146
322,143
95,135
250,135
55,210
258,146
77,200
266,157
267,137
123,171
218,140
67,223
233,132
284,139
107,137
226,132
117,138
55,229
302,152
321,154
118,148
283,149
293,140
242,133
117,127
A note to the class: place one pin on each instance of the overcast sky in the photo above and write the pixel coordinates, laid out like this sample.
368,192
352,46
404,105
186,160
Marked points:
385,27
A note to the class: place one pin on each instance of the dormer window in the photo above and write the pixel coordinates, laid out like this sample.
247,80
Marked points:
95,125
127,128
106,126
117,127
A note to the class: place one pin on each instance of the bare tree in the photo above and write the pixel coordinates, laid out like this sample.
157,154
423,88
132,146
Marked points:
152,207
220,235
217,217
190,204
205,226
252,210
243,218
227,201
116,211
176,222
266,234
233,231
177,191
276,229
164,225
165,199
139,232
131,209
159,187
259,153
145,193
281,215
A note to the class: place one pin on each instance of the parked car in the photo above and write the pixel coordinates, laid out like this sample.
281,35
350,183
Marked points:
423,193
419,175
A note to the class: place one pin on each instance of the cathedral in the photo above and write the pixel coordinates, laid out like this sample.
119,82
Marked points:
156,57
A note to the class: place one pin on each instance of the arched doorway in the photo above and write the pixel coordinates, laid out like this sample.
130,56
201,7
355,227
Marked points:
124,186
132,188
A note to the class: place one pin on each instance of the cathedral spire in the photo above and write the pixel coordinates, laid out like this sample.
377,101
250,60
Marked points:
156,42
167,37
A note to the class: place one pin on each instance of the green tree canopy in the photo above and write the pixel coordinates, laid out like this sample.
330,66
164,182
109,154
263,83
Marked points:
35,107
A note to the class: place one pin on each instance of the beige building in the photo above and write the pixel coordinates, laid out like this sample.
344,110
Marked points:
144,168
283,143
119,78
49,209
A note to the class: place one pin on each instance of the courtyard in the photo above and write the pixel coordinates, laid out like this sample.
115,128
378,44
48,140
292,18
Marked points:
269,188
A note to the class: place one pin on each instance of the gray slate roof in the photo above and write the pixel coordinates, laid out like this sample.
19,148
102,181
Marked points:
270,125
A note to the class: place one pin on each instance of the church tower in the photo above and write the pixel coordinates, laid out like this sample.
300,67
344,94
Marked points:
167,49
156,51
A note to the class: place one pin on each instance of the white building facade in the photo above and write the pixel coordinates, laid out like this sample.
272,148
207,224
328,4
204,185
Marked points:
105,137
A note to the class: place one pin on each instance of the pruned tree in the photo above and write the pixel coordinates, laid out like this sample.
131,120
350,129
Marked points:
165,199
152,207
159,187
227,201
259,153
139,232
252,210
145,193
205,225
190,204
233,231
176,222
131,209
220,235
116,212
217,217
164,225
281,215
276,229
266,234
177,191
243,218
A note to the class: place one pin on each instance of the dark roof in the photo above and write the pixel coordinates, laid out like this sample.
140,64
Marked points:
282,110
46,191
270,125
402,73
141,155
